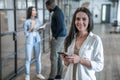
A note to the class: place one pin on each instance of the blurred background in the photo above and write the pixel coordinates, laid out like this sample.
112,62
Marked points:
106,16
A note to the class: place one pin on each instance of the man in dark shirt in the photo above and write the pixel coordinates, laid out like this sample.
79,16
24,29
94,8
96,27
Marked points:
58,29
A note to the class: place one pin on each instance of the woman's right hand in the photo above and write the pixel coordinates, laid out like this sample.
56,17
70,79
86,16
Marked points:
32,25
67,59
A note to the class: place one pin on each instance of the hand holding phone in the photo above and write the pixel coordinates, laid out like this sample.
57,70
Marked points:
63,54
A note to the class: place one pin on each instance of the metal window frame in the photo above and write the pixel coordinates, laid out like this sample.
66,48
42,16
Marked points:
14,33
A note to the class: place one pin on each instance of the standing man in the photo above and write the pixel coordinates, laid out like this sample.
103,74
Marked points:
58,29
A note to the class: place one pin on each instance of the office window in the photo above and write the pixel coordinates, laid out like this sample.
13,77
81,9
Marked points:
40,15
6,4
7,21
20,4
40,4
20,18
31,3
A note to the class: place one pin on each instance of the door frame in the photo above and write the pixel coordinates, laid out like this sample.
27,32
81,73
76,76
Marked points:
105,13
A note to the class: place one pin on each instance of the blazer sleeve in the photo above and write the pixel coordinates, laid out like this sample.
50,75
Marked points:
97,62
25,25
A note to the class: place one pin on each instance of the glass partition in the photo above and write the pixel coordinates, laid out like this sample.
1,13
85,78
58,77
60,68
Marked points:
40,15
12,50
47,16
6,4
31,3
20,4
20,18
7,21
7,55
40,4
8,66
20,49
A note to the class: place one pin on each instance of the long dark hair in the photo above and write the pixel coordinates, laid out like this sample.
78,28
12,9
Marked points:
74,30
29,12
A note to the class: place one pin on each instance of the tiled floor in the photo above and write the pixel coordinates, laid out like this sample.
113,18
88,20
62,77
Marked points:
111,44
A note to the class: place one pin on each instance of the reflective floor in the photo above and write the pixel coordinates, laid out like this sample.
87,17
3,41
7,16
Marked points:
111,44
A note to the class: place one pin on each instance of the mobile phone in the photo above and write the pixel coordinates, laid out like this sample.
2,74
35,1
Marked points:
63,54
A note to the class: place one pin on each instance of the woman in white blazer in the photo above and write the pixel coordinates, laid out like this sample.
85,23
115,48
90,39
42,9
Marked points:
33,39
84,48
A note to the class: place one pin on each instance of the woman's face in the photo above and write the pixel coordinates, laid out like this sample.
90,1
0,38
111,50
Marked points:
81,21
34,12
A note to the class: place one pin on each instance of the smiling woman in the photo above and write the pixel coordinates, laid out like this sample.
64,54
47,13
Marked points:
85,48
81,21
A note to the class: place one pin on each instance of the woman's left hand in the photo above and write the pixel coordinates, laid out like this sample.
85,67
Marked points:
76,59
73,59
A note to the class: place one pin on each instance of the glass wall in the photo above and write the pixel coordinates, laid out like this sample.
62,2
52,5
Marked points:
7,56
12,42
7,21
7,43
20,18
6,4
31,3
20,4
12,39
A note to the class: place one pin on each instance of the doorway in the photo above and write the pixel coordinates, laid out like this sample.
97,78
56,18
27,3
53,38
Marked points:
105,13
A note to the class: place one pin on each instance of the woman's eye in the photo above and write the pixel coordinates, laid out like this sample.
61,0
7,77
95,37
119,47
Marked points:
84,19
77,18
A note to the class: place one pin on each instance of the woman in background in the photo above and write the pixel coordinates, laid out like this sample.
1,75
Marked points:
32,42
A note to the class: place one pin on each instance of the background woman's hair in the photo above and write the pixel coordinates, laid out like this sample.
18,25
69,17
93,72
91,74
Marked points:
29,12
74,30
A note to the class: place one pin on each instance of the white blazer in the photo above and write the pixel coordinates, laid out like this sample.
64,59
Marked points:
92,50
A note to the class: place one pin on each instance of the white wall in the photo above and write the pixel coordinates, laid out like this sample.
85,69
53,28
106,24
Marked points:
95,7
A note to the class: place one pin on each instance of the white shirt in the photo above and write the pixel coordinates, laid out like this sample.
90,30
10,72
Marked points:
92,50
